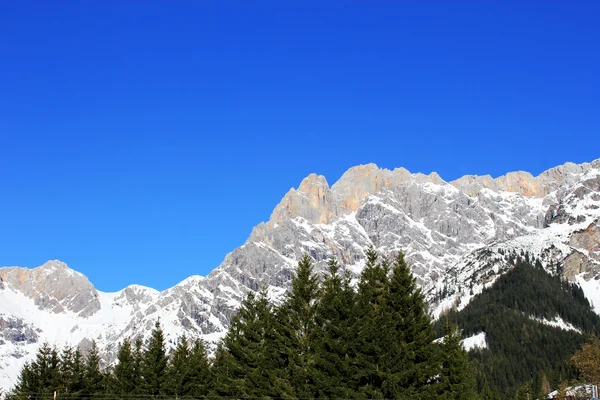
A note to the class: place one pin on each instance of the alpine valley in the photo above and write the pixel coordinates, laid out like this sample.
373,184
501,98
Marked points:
455,235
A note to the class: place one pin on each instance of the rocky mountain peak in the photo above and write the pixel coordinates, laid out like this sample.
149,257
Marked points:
359,182
312,201
54,287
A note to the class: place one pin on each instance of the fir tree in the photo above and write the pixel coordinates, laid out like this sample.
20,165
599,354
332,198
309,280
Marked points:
138,359
27,384
124,375
199,379
94,382
66,368
409,360
76,385
370,344
178,370
334,317
154,363
240,359
456,380
299,322
488,394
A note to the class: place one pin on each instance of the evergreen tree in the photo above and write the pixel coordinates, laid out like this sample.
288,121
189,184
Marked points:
488,394
94,382
456,379
334,317
66,368
299,327
40,378
371,343
410,359
239,365
154,363
76,385
178,370
27,385
200,377
124,375
138,358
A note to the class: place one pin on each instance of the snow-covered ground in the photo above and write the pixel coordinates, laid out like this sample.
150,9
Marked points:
478,341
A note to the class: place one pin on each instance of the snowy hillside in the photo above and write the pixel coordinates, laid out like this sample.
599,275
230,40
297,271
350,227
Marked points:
455,235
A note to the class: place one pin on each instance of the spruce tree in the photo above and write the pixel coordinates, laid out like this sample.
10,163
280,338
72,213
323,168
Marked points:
409,361
200,376
124,375
138,358
370,345
154,363
94,381
40,377
66,368
27,385
334,319
178,370
76,385
298,327
239,363
456,380
488,394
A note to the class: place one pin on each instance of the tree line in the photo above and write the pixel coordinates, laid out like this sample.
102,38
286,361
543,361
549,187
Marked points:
326,339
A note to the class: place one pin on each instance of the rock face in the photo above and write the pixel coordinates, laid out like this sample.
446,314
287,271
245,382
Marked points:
455,235
54,287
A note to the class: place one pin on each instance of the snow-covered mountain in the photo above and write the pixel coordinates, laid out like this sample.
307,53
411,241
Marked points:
455,235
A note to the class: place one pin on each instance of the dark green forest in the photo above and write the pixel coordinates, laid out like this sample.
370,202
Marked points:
327,339
524,355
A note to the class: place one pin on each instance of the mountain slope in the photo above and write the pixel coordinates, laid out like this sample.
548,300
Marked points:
529,323
453,235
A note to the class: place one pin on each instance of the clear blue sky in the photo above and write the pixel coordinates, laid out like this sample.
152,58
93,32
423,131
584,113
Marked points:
141,141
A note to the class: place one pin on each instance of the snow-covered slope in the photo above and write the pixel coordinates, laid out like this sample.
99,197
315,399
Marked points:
456,235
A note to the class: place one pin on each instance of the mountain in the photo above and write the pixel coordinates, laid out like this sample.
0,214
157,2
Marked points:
455,235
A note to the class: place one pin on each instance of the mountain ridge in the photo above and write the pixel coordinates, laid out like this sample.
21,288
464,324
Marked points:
445,228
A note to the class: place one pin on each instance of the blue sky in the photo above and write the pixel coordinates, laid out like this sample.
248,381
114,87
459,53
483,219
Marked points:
141,141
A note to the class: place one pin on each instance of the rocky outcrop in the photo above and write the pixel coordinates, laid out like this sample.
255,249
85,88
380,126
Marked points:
54,287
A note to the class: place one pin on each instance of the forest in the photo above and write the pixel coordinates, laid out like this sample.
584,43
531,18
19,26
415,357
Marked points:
525,356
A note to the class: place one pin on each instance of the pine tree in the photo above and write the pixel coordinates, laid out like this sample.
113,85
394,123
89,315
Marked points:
154,363
299,327
456,379
488,394
42,376
76,385
94,381
334,317
124,376
66,368
27,385
178,370
199,372
240,360
370,346
409,360
138,358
